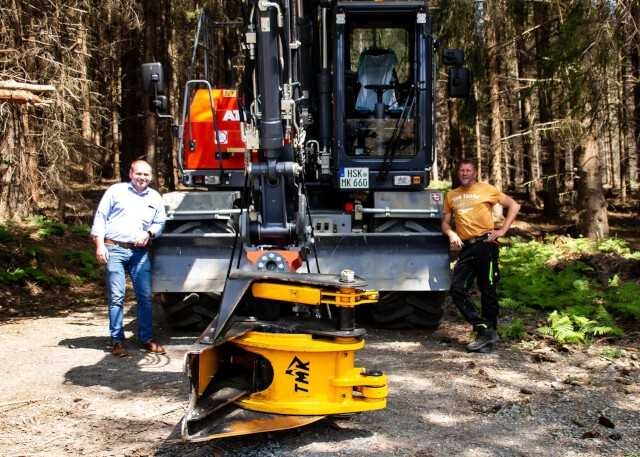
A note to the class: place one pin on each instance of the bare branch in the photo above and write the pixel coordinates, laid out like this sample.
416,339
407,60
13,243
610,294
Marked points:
13,85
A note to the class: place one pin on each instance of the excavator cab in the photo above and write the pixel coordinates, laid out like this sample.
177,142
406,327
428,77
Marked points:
383,100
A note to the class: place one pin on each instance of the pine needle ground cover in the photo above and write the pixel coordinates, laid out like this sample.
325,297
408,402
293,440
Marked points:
585,287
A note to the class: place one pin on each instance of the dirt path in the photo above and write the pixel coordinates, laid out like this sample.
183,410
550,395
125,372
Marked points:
62,394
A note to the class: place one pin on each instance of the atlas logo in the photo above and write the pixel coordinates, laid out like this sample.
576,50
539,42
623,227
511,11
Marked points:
300,371
231,115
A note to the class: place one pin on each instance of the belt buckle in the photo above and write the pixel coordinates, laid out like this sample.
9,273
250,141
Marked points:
477,239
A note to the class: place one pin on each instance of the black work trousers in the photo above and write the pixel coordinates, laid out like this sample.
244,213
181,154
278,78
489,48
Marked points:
478,261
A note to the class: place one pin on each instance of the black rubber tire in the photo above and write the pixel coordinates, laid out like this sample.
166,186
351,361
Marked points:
188,311
406,310
185,311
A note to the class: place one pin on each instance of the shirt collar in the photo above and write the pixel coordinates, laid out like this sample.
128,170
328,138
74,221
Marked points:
133,189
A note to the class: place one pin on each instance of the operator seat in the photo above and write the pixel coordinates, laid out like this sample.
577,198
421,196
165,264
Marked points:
376,67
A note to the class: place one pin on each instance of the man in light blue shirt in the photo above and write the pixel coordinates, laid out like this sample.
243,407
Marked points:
128,217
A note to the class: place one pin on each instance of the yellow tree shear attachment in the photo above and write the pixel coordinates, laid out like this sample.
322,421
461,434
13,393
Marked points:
249,376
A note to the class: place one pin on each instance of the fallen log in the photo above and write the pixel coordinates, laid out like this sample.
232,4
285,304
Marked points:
14,85
19,96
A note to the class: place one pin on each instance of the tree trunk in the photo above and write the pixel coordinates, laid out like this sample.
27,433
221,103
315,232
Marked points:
634,55
550,163
496,147
132,142
151,8
626,112
82,53
478,129
592,206
455,139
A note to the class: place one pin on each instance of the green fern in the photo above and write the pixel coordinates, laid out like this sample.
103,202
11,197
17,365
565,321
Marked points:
625,299
605,323
545,275
572,329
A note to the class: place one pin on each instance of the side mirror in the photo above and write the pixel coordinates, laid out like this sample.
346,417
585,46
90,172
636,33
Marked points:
458,77
152,78
458,82
153,86
453,57
158,104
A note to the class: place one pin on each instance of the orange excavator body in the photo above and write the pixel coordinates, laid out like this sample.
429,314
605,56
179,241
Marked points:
200,150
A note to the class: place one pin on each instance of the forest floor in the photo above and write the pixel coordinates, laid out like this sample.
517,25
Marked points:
63,394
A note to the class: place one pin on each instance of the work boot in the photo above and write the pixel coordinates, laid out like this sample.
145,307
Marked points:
486,339
118,350
152,346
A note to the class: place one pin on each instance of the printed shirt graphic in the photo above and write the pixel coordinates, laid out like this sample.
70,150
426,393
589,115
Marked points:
471,209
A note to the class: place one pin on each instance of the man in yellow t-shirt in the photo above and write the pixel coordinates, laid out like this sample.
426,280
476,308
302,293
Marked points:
471,206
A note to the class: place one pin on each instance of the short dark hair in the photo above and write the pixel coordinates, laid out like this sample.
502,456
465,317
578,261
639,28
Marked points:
467,162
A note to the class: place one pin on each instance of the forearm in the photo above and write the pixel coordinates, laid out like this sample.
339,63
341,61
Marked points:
446,228
512,212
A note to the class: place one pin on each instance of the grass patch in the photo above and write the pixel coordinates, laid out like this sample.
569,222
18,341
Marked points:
556,276
80,230
83,263
513,330
610,353
34,258
5,234
19,275
47,227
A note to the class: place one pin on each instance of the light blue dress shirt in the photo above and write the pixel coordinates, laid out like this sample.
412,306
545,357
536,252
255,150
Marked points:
125,214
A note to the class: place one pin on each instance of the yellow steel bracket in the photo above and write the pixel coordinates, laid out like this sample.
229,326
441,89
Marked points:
346,297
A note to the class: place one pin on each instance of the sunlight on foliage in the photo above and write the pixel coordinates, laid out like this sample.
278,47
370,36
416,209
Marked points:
551,276
21,274
444,186
47,227
568,328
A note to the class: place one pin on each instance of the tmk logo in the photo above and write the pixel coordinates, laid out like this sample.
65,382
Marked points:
300,371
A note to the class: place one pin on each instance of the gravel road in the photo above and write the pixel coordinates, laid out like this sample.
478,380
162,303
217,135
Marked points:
63,394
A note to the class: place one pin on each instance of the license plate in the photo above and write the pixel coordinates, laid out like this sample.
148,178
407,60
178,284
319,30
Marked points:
354,178
402,180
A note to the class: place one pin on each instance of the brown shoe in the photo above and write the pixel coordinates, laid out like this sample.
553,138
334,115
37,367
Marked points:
118,350
154,347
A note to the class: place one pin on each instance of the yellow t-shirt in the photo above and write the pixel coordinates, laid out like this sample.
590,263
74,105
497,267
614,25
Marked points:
471,208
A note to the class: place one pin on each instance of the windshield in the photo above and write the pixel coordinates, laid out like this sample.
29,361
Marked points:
380,102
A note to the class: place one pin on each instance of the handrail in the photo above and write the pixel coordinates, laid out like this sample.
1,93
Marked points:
186,99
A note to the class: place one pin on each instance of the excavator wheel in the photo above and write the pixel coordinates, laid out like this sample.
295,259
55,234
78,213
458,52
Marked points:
405,310
193,311
189,311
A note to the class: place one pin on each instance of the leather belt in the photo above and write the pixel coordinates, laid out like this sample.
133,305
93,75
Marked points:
477,239
123,244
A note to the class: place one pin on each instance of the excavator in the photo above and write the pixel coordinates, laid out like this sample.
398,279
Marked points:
305,141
